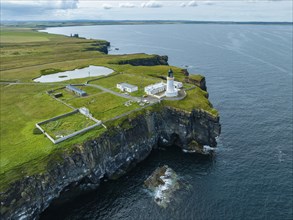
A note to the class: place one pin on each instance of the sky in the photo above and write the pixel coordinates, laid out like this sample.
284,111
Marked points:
196,10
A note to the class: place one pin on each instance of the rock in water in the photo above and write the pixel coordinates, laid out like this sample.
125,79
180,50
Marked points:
163,182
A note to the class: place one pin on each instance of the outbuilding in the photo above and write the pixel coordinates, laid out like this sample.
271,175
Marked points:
178,85
155,88
125,87
75,90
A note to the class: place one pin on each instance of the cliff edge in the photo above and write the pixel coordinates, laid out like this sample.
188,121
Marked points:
110,155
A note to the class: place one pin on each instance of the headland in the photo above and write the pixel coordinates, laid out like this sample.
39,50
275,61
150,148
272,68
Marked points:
35,170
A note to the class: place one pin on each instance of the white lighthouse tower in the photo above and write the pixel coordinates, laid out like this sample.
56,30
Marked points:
171,91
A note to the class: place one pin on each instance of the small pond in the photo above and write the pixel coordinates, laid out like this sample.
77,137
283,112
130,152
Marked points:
75,74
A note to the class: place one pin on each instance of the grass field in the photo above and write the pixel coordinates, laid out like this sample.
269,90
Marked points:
25,54
103,106
21,107
195,99
22,36
135,79
67,125
68,95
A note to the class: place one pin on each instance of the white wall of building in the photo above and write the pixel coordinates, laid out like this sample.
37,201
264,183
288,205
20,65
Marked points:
127,87
178,85
155,88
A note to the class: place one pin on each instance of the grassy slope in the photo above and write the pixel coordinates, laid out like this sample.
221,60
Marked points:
21,107
22,152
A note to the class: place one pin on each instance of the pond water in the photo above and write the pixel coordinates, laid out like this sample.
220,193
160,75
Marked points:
75,74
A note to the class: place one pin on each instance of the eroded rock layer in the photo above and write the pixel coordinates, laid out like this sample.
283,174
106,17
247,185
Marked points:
110,155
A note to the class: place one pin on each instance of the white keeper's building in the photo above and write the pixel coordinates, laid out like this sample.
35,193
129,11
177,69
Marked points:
125,87
170,88
178,85
155,88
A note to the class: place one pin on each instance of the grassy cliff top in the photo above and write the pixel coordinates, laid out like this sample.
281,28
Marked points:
26,54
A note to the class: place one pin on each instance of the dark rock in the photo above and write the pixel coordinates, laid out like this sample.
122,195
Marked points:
147,61
185,72
200,83
101,46
154,180
110,155
163,182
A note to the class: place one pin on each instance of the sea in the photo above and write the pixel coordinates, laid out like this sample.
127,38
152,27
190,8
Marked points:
248,69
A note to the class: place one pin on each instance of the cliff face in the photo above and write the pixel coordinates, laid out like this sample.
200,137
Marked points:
101,46
110,155
148,61
200,83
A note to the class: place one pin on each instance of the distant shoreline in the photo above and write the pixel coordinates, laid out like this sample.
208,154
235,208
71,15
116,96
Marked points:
45,24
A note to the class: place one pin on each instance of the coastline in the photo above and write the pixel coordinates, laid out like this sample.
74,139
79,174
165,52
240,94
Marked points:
28,196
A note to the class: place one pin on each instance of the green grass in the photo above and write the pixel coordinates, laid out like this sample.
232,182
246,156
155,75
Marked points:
196,77
195,99
68,95
90,90
103,106
67,125
21,107
41,161
30,54
22,36
135,79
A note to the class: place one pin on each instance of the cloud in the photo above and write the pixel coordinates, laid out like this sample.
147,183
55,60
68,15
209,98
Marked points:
66,4
126,5
257,1
191,4
183,4
209,2
39,5
31,9
188,4
151,4
107,6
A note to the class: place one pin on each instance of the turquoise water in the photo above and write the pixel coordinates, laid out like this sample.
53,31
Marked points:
249,78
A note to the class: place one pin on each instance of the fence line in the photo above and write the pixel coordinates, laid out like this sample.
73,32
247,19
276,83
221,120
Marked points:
57,117
70,135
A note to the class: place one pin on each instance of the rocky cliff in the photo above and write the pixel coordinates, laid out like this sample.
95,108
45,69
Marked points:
110,156
151,60
101,46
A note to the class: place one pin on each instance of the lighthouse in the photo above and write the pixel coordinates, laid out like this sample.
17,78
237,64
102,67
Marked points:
171,91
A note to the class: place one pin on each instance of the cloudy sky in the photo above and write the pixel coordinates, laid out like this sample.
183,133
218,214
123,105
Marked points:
200,10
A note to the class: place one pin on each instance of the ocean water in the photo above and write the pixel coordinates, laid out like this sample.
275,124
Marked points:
248,69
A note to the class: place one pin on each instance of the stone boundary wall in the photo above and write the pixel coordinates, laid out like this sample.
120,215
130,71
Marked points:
89,116
59,116
45,133
70,135
76,133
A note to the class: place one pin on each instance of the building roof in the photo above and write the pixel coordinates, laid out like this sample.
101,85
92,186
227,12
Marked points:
155,86
72,88
127,85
